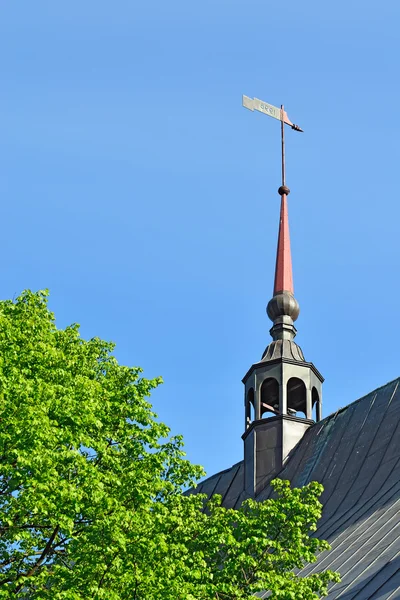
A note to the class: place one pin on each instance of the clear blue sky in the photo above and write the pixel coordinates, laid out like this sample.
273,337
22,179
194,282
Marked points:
138,190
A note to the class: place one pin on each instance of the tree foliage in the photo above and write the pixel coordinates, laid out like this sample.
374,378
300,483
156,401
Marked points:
91,502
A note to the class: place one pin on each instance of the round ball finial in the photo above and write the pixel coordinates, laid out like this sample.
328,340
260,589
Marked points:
283,304
283,190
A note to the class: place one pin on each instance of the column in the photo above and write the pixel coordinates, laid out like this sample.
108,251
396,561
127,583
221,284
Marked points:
309,414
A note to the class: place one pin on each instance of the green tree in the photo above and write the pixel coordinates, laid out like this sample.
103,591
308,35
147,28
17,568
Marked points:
91,502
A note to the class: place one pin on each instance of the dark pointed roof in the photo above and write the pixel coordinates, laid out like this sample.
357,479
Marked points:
355,454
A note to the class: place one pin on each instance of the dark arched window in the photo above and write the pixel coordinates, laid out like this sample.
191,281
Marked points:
269,396
249,407
316,402
296,396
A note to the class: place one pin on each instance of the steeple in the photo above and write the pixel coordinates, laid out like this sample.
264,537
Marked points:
283,309
282,390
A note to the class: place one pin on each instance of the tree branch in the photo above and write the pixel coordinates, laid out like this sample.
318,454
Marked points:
42,557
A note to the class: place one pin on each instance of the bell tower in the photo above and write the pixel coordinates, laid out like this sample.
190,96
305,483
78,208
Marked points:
283,391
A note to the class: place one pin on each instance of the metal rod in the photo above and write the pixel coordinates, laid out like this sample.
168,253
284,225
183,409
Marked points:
283,146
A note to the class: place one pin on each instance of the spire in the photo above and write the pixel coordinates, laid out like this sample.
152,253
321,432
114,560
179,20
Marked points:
283,309
283,268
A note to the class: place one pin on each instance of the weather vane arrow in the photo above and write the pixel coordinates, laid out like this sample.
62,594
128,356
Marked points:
277,113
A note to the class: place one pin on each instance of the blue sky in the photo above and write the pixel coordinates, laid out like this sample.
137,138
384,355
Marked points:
137,189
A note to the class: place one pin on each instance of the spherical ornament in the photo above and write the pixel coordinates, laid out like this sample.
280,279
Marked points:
283,304
284,190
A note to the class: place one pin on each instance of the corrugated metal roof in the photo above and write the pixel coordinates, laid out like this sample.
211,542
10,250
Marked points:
355,454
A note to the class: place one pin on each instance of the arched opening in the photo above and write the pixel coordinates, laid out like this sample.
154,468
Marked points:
269,397
316,403
249,407
296,396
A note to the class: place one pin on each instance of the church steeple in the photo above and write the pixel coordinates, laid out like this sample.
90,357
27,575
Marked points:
282,390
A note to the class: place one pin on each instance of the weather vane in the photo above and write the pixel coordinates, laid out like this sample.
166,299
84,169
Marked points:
276,113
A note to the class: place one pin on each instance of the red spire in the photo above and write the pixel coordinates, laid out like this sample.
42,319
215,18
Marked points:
283,269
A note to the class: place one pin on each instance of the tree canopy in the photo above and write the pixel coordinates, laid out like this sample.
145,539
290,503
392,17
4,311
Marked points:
91,502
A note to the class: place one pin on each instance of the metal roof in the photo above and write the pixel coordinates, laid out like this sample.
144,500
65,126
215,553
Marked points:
355,454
